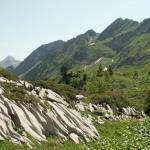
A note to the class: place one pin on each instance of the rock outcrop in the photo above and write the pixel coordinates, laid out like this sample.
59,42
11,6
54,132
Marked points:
104,112
58,118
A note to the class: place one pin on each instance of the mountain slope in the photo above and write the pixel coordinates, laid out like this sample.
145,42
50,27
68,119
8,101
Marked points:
9,61
133,47
117,27
48,50
37,66
123,43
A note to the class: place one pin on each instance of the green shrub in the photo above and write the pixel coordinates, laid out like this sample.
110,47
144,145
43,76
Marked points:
114,99
8,75
96,86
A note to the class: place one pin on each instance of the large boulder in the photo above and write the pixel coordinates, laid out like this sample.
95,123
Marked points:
80,97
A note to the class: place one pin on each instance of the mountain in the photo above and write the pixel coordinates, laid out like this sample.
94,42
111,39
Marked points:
9,61
125,41
117,27
132,47
48,59
38,56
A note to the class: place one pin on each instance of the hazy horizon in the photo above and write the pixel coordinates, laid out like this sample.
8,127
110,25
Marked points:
27,25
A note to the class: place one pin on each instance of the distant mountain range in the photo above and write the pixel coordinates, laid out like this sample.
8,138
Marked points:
125,41
9,63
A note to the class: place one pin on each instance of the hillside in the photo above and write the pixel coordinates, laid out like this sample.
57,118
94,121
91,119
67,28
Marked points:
36,116
132,47
38,56
45,61
125,41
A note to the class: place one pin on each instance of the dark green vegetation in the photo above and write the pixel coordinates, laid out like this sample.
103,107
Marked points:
7,75
116,135
119,87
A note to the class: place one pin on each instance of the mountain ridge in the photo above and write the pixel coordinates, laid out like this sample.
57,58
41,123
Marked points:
125,41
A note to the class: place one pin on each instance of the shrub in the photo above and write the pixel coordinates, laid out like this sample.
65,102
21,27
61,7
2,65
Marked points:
114,99
96,86
8,75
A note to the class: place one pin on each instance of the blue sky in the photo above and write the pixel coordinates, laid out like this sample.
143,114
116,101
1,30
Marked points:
26,24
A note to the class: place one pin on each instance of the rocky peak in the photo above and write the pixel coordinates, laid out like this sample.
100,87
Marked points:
83,39
9,61
144,27
91,33
118,26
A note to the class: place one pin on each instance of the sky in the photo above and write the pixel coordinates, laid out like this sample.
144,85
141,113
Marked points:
27,24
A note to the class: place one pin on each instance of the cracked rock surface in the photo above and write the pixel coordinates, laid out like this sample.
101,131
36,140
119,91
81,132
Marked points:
59,119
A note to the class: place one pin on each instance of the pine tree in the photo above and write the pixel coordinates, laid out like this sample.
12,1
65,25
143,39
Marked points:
100,71
110,71
85,77
63,72
135,75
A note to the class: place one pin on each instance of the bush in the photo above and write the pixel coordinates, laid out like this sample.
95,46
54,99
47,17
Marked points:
8,75
114,99
96,86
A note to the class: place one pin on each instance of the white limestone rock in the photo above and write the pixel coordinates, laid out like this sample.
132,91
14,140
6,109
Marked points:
2,79
91,109
99,120
75,138
42,93
80,106
58,119
80,97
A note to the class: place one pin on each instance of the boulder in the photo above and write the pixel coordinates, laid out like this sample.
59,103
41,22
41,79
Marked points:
42,93
2,79
91,109
75,138
99,120
80,97
80,106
